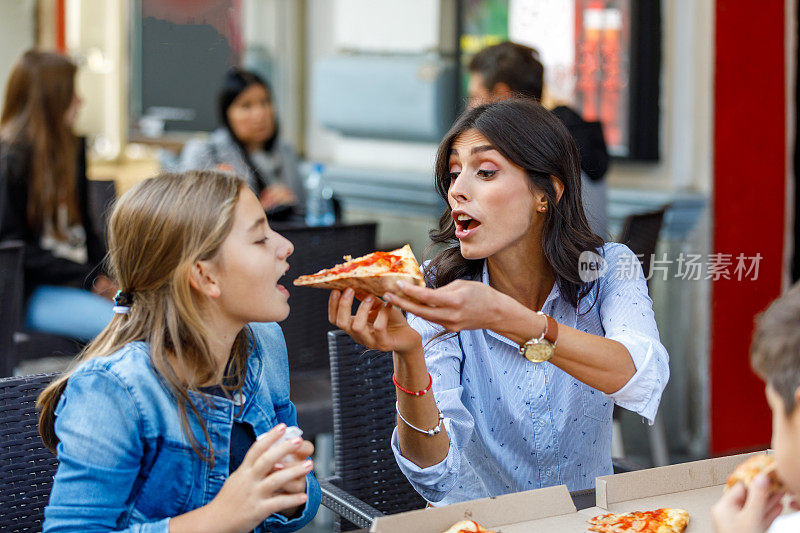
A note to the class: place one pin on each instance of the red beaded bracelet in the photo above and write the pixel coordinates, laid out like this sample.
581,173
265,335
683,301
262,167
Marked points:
411,392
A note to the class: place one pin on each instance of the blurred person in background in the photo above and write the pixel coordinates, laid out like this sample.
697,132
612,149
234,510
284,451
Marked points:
510,69
247,144
43,200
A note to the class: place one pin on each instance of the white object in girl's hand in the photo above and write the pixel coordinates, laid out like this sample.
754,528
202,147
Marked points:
292,432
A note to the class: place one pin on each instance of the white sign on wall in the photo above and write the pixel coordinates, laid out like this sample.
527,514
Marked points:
549,27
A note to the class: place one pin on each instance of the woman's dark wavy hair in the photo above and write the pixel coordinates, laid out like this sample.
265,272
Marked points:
534,139
235,82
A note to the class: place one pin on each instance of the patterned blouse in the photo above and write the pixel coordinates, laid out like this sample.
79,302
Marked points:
515,425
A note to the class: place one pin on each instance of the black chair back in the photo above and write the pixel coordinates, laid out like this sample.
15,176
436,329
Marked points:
101,197
10,302
363,421
316,248
26,466
640,232
17,344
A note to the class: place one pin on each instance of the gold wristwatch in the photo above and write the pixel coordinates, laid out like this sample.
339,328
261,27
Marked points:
540,349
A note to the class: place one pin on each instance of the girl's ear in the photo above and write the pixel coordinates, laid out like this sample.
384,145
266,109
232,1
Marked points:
203,279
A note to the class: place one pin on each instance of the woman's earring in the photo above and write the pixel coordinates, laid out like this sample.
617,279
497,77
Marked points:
543,209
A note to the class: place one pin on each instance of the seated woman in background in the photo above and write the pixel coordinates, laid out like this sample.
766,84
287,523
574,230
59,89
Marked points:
247,144
43,199
155,429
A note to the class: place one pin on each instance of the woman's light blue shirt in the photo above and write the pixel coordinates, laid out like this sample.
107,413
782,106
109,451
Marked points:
515,425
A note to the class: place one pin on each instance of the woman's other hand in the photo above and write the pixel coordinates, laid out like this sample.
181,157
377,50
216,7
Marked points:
276,195
376,325
457,306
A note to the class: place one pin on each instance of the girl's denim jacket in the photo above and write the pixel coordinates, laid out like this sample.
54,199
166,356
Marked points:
125,464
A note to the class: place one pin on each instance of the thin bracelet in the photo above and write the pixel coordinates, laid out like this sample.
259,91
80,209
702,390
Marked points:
411,392
429,432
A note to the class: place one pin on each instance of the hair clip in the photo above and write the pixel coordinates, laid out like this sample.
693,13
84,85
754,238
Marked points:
122,302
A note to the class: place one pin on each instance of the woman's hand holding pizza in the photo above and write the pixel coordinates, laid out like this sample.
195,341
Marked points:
457,306
376,325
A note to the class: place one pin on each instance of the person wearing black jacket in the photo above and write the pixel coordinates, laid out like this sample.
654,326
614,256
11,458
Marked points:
510,69
43,200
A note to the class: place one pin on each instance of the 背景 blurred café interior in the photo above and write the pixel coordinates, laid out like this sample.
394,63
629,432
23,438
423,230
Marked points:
695,101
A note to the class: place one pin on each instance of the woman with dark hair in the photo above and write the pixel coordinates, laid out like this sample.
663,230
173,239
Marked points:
43,200
509,363
247,144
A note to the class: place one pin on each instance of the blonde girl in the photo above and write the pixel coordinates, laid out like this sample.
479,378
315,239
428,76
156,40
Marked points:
155,428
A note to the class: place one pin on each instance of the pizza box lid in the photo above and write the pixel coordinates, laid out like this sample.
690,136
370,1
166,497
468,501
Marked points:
694,486
494,513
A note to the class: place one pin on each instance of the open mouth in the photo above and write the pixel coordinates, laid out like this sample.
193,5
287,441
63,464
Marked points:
465,224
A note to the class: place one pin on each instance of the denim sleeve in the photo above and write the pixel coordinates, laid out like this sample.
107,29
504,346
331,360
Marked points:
443,358
626,311
276,522
99,452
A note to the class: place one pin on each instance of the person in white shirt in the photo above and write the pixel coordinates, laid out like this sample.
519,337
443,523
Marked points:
775,357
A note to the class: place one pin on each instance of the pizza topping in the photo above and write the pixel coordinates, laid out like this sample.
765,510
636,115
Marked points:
467,526
389,262
642,521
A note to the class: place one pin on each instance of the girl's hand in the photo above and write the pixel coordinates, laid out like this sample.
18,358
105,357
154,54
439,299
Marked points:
747,511
376,325
252,493
302,453
457,306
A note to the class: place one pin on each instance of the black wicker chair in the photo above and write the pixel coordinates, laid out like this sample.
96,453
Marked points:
363,419
26,466
16,344
640,232
101,195
306,327
10,301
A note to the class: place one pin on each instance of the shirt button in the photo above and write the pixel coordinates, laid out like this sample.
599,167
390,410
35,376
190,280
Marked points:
548,472
239,398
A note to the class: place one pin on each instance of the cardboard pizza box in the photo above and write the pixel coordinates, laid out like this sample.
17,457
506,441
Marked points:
551,505
694,486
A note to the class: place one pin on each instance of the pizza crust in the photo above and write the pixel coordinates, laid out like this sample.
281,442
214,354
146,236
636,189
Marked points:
749,469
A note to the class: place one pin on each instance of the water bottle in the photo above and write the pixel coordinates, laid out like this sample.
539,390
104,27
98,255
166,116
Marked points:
319,199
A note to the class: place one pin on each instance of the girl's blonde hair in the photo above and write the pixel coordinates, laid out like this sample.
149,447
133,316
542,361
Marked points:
157,232
40,89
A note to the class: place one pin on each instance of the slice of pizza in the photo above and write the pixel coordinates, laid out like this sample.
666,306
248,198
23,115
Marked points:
376,273
749,469
658,521
467,526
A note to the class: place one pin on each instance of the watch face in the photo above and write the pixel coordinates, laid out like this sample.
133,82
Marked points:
539,352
